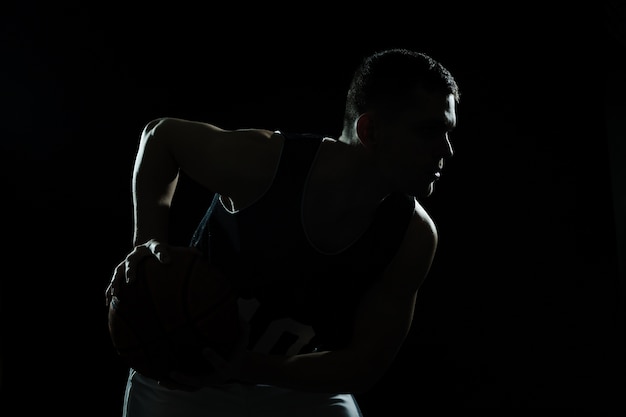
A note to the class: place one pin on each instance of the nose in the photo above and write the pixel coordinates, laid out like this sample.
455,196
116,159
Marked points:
446,151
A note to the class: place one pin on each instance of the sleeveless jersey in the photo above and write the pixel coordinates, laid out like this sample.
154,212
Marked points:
296,298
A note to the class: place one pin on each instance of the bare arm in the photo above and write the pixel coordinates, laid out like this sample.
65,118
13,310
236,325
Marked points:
382,324
236,164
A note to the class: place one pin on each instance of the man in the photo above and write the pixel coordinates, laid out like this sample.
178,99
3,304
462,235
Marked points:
325,239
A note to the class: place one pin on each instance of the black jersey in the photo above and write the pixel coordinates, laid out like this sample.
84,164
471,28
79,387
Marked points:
296,298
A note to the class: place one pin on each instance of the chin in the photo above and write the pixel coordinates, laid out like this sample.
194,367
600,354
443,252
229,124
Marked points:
428,191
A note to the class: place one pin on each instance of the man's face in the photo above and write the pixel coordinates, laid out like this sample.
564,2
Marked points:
412,148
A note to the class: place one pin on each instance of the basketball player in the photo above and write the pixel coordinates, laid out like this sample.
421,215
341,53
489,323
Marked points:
325,238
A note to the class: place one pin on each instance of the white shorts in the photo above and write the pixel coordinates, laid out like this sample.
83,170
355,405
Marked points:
144,397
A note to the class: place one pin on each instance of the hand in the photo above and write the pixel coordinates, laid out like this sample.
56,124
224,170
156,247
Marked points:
126,270
225,369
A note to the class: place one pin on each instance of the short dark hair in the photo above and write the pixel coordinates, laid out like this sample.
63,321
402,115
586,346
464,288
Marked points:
387,81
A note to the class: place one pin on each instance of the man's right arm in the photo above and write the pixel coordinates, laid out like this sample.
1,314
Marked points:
237,164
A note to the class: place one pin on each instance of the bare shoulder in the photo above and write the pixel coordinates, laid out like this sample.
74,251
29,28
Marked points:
422,223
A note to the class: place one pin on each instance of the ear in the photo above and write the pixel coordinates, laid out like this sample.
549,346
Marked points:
365,130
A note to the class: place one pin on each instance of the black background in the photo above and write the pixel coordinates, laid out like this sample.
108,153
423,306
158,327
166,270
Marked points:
523,308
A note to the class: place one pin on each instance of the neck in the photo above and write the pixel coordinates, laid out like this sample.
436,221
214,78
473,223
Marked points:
346,173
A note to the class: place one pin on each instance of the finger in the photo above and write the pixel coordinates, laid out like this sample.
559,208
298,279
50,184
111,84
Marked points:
110,290
131,261
159,250
129,271
108,293
114,302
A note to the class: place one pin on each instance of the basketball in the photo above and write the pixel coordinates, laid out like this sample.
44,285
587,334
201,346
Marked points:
162,320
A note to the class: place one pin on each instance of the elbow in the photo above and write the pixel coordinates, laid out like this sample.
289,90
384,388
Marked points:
156,134
160,128
153,126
